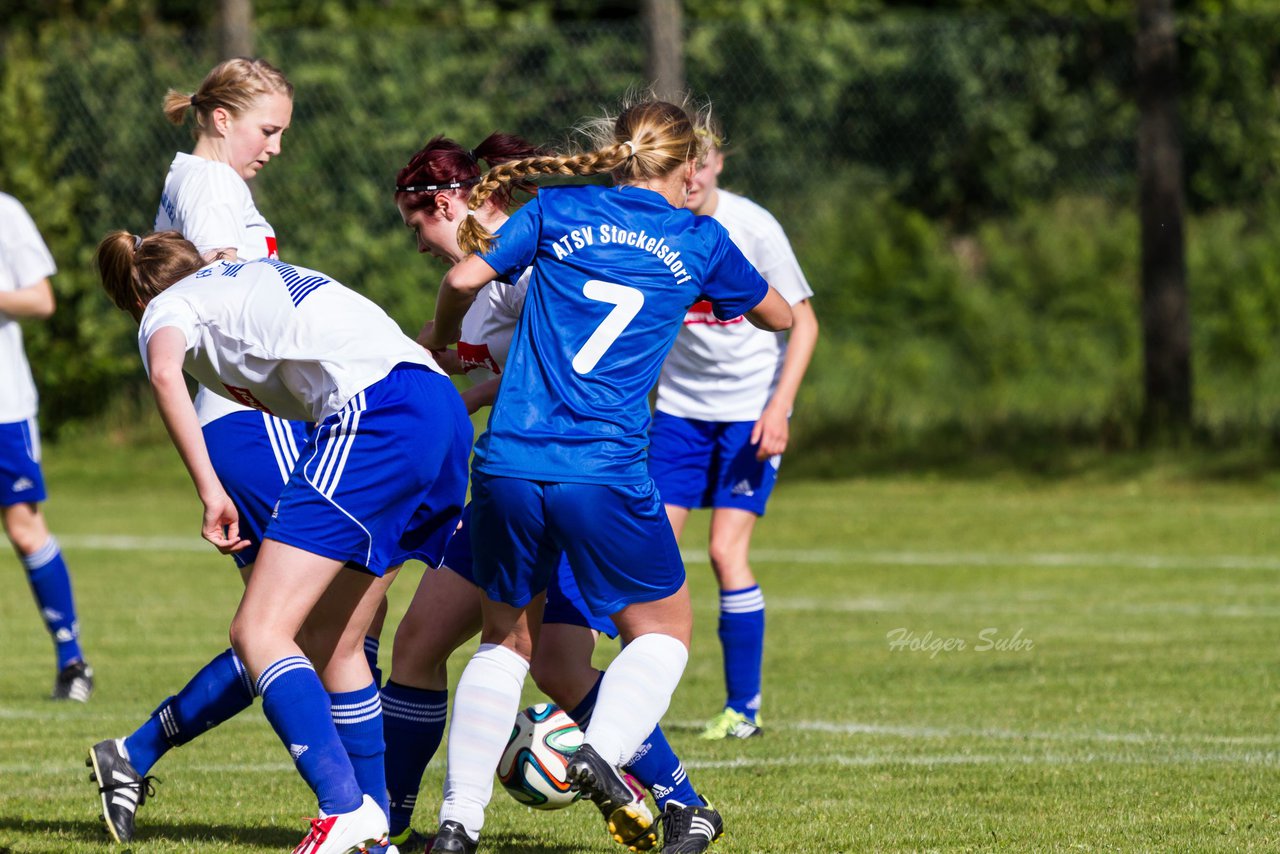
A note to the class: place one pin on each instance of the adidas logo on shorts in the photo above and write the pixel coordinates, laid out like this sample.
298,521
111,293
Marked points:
22,484
743,487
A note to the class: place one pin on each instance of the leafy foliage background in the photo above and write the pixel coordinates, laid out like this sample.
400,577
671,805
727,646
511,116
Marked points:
959,185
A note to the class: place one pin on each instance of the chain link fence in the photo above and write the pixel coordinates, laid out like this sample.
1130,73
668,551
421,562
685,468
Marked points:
959,188
956,116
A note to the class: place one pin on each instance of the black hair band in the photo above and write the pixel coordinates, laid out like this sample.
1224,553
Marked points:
431,188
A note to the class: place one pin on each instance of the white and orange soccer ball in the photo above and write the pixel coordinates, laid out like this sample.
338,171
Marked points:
543,740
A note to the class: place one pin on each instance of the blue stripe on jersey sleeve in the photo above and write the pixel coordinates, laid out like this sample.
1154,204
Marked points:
299,286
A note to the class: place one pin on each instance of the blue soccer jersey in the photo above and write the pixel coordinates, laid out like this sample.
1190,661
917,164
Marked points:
614,271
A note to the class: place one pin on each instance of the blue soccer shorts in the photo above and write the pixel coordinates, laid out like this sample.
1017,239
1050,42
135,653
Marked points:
617,539
21,481
254,454
383,480
709,464
564,601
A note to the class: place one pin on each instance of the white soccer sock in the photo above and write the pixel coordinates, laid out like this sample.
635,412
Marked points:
484,707
634,695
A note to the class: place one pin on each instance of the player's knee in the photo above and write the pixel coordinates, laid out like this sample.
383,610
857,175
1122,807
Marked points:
237,636
418,656
566,686
729,561
26,529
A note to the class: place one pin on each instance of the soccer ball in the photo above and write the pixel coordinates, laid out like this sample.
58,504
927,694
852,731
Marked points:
543,740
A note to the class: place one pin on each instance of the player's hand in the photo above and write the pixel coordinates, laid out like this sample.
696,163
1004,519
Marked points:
221,525
770,434
448,360
427,338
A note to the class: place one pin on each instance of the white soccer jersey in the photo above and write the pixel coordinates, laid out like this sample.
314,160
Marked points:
212,206
24,261
286,340
488,326
726,370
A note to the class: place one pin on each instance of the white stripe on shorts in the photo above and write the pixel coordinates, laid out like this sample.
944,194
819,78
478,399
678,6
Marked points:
276,430
341,436
32,436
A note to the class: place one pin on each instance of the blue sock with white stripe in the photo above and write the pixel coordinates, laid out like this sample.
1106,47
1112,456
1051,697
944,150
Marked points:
357,715
413,722
220,691
655,764
297,706
371,655
51,584
742,639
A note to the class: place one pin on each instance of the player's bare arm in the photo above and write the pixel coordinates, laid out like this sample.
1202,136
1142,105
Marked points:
772,432
458,291
35,301
165,352
771,313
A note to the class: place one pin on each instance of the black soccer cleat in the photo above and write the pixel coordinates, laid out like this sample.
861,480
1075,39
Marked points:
120,788
452,838
624,810
74,682
689,830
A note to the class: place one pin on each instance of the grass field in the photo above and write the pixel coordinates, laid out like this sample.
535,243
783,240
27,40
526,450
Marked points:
1116,691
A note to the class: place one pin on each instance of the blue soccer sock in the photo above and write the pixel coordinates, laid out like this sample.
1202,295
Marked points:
357,716
297,706
660,771
581,713
51,584
655,765
371,655
220,691
413,722
742,640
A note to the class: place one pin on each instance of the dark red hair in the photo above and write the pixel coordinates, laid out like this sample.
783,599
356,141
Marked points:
443,161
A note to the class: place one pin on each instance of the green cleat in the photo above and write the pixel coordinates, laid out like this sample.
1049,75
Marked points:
731,724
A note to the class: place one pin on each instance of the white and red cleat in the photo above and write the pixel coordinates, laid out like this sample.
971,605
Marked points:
352,832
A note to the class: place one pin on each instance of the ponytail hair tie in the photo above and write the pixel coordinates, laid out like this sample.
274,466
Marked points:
193,102
137,243
471,155
631,146
471,212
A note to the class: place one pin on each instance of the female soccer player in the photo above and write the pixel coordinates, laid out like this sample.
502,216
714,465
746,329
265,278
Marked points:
431,194
724,398
562,466
293,341
241,110
25,292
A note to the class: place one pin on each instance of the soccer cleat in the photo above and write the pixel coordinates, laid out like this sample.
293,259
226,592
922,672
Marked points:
352,832
628,818
452,838
410,841
731,724
121,789
74,682
689,830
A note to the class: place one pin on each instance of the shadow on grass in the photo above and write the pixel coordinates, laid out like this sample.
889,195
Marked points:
518,843
280,838
92,831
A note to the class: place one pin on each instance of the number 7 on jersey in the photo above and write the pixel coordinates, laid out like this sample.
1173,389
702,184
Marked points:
626,302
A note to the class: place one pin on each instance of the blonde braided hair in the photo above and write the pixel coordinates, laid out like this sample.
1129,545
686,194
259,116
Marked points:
647,140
